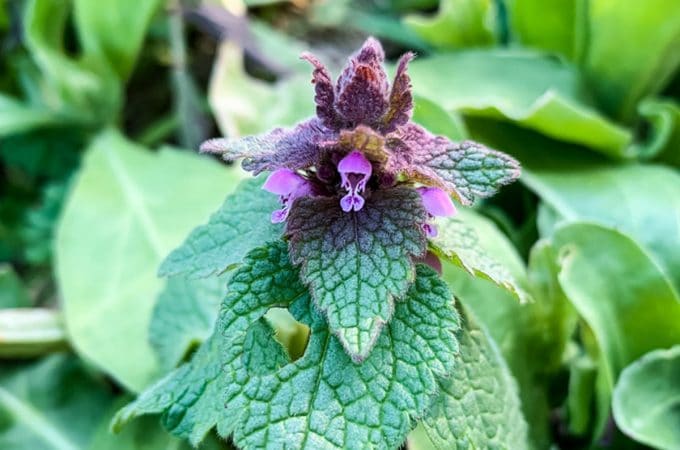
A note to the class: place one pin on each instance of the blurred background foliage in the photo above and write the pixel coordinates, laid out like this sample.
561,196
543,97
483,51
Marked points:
102,104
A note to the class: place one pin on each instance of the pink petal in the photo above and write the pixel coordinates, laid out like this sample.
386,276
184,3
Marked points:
355,162
437,202
282,182
352,202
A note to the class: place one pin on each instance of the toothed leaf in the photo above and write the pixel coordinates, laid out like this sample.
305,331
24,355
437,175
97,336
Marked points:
241,382
478,406
459,243
325,401
356,264
243,222
192,398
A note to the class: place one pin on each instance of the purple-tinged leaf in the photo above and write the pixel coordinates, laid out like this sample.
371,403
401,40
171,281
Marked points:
401,99
356,264
324,90
362,87
292,149
467,169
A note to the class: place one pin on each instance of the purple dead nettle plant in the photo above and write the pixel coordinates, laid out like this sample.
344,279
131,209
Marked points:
362,140
361,190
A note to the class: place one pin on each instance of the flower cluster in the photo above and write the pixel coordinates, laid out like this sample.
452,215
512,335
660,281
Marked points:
362,140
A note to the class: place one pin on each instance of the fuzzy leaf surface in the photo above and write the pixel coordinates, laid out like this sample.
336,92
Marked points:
458,242
479,405
322,400
356,264
192,398
325,401
242,223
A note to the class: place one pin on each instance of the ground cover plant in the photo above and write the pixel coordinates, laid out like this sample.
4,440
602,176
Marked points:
377,276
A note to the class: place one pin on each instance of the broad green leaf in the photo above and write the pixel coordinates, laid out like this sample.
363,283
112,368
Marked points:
272,403
127,210
631,51
183,317
99,27
663,141
144,434
265,279
325,401
478,406
52,404
529,89
647,399
621,294
522,330
13,294
241,223
457,240
555,26
457,24
244,105
437,120
30,332
356,265
639,200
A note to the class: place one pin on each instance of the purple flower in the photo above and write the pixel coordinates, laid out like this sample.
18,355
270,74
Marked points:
289,186
363,139
437,203
355,171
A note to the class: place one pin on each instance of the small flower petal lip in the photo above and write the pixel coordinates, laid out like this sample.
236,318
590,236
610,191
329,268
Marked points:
362,139
437,203
289,186
355,171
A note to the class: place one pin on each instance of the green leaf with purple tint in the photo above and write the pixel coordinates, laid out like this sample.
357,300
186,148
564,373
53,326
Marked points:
357,264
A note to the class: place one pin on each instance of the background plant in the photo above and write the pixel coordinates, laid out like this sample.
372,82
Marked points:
584,94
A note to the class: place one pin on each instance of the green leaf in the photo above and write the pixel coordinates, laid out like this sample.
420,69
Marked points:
183,317
478,406
241,223
457,24
272,403
522,330
219,363
144,434
621,294
357,264
663,141
325,401
82,90
99,30
529,89
16,117
553,26
437,120
646,399
635,199
632,51
13,294
458,241
30,332
244,105
51,404
121,218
